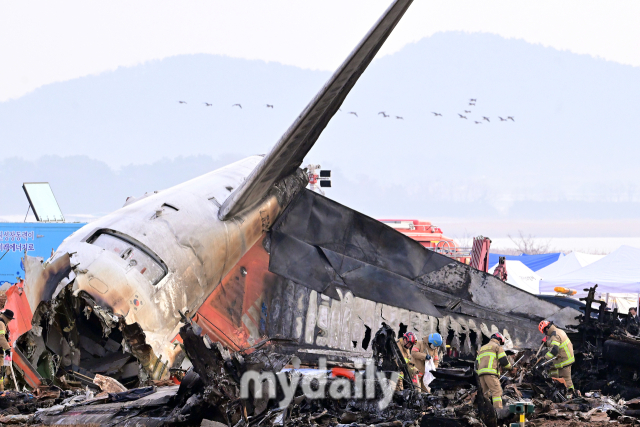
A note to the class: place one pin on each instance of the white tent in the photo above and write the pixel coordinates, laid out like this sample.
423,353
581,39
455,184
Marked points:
618,272
623,302
521,276
567,264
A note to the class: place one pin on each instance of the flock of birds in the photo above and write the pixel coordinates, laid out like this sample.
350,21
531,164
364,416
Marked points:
208,104
472,102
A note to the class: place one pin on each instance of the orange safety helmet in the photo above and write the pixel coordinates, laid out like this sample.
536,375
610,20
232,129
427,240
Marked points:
543,325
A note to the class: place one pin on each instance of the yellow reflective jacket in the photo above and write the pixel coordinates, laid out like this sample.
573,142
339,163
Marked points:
406,354
489,357
559,345
4,333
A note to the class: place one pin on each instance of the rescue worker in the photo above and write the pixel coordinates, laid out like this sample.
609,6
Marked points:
501,270
405,344
5,317
561,350
426,349
490,356
631,323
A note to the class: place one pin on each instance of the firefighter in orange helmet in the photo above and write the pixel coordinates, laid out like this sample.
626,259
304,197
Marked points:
560,350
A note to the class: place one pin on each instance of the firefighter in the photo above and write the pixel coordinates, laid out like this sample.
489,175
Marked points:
5,317
561,350
426,349
501,270
490,356
631,323
405,344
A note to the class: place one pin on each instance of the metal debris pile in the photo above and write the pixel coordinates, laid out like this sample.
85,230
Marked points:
608,356
73,338
214,389
211,392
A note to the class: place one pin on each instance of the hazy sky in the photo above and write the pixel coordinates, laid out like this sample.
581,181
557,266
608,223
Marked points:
43,42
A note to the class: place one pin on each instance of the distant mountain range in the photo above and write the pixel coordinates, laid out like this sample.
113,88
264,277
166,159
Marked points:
571,152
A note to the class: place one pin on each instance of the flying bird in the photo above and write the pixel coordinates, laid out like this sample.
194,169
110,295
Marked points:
383,114
501,119
436,114
486,118
207,104
354,113
237,105
510,118
461,116
269,106
399,118
478,123
182,102
467,111
472,103
472,100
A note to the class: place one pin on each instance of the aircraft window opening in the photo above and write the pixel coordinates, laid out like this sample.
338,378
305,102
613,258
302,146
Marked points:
150,268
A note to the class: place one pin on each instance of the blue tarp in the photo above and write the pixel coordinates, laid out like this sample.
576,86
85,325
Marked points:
36,238
534,262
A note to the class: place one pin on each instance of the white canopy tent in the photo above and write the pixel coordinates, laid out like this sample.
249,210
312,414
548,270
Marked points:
623,302
567,264
521,276
616,273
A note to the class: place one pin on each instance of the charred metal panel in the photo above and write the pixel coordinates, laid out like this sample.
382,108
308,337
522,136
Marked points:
324,245
341,324
323,223
228,298
249,278
42,279
339,327
337,251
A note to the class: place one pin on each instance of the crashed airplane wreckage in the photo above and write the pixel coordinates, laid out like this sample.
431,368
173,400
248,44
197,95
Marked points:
245,252
211,394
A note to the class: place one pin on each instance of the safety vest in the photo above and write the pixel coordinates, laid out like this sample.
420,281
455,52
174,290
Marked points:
406,354
487,360
4,335
558,338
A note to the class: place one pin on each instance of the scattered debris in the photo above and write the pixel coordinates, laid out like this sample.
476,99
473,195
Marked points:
266,384
108,384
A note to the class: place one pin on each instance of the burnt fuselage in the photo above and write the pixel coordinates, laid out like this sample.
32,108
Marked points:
164,254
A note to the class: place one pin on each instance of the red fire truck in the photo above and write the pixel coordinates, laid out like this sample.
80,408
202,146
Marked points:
431,237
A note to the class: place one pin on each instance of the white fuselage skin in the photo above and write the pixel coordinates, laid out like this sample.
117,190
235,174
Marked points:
197,248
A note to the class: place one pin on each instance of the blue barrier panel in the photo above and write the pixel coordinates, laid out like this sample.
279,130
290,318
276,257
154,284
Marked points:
36,238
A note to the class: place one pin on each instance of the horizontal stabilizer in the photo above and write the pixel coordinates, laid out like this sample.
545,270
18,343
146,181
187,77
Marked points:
287,155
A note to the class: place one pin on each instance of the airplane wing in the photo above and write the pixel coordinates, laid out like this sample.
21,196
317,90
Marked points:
289,152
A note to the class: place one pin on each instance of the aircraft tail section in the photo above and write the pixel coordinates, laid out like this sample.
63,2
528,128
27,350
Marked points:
289,152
